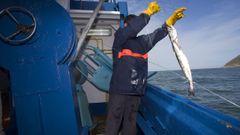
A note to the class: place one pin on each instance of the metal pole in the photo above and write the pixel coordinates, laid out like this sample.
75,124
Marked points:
80,45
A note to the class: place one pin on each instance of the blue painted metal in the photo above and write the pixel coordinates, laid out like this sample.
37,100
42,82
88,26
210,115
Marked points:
42,89
91,5
123,12
85,115
163,112
166,113
96,67
44,94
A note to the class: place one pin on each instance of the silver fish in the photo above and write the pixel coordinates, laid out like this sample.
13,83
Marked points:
181,57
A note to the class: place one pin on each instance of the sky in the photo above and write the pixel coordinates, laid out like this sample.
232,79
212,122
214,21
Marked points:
209,34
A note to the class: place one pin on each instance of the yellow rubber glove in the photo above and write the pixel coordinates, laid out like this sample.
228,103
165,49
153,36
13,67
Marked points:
153,8
178,14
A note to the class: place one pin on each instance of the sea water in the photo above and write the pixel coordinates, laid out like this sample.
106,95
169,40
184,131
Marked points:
224,82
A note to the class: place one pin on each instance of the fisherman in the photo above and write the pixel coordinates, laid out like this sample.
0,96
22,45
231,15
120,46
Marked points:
130,68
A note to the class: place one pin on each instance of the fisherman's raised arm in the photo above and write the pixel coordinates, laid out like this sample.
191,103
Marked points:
152,38
134,24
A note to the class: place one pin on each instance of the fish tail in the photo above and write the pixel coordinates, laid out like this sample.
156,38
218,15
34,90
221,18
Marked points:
190,90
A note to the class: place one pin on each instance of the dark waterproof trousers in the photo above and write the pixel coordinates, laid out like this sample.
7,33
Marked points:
122,114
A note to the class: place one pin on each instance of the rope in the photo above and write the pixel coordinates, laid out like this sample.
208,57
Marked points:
177,74
221,97
204,88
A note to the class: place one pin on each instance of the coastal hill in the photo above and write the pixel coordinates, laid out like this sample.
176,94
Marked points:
234,62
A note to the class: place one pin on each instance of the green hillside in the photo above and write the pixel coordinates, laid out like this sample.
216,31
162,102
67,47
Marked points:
234,62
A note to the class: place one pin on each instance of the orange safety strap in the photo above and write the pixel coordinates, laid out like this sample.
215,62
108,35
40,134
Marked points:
127,52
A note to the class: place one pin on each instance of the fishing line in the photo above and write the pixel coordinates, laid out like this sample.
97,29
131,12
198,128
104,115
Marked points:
219,96
204,88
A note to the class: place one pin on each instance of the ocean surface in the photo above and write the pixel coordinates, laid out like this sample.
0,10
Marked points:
222,81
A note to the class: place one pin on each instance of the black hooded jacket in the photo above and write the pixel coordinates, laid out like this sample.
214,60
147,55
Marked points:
130,73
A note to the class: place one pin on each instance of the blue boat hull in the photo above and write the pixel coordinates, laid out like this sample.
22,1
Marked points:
43,87
163,112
